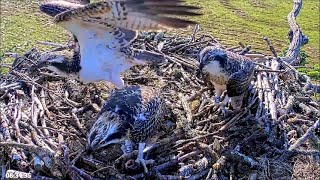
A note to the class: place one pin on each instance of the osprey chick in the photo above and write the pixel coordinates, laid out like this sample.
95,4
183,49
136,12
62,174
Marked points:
105,30
226,71
132,113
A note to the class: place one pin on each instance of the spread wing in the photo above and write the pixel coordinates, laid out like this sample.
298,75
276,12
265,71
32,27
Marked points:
79,1
239,82
144,15
54,8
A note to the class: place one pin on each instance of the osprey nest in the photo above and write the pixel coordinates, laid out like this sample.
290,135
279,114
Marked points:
45,118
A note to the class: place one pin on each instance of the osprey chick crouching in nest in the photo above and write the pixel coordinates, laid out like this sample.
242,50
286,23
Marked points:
226,71
130,114
105,30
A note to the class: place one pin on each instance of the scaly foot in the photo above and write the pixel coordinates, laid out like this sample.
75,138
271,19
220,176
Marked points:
143,163
140,157
224,111
216,101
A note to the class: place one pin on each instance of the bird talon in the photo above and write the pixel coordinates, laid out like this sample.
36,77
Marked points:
71,46
225,112
217,99
143,163
216,103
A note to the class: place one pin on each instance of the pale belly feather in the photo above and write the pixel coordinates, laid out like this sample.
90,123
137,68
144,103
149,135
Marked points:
218,78
101,59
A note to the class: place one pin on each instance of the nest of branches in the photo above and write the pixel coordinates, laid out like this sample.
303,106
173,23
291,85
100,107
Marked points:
45,118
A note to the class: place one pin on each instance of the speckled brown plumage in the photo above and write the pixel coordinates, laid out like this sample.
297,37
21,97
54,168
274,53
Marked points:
131,113
226,70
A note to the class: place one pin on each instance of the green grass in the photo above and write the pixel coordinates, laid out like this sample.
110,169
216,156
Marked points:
249,21
230,21
313,73
22,26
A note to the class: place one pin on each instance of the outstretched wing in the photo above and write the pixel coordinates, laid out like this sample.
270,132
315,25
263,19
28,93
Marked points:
79,1
134,15
54,8
239,82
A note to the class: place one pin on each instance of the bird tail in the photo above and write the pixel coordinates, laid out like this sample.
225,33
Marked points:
147,57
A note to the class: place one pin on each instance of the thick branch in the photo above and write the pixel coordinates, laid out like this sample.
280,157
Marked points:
297,39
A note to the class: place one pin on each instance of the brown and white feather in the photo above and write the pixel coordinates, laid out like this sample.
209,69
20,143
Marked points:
133,112
144,15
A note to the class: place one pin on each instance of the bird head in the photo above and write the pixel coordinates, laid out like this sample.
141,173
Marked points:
60,64
55,63
105,131
212,55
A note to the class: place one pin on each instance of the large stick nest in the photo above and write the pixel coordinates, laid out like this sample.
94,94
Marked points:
45,118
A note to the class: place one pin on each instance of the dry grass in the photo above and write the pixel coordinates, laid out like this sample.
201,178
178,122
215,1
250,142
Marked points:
273,169
306,168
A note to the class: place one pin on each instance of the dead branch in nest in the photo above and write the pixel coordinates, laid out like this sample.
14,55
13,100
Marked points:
305,136
297,39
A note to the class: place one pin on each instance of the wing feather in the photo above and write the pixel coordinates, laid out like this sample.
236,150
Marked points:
80,1
53,8
130,14
130,100
239,82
